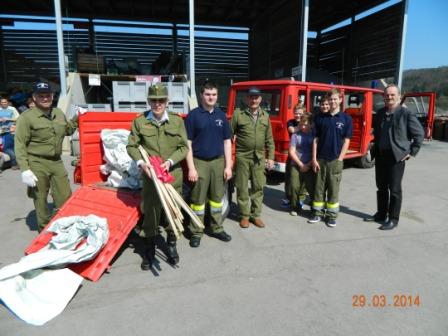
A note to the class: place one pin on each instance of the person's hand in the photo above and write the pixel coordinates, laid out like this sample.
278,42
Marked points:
144,167
166,165
315,165
305,168
227,173
270,164
193,175
29,178
407,157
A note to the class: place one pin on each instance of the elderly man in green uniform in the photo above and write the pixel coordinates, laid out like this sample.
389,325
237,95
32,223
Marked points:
253,133
38,147
160,133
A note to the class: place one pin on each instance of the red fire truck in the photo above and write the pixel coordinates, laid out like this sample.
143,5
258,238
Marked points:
280,97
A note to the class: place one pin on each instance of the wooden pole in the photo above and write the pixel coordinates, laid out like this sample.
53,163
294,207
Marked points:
173,199
152,175
175,195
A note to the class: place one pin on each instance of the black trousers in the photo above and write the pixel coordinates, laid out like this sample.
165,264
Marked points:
388,174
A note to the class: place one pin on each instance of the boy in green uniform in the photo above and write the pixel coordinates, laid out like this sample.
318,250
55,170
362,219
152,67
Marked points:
301,174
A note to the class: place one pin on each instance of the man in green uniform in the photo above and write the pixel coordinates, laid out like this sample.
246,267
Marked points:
38,147
160,133
253,132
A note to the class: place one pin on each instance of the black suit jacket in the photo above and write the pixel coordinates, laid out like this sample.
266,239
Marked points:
406,133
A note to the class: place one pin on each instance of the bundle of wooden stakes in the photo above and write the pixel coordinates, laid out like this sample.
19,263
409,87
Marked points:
171,201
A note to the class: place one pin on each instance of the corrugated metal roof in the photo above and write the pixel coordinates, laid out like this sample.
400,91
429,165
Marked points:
30,54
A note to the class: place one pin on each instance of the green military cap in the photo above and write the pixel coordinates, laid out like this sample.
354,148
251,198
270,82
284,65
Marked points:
157,91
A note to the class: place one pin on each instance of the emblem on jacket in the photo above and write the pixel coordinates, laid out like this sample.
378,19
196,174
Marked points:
339,125
219,122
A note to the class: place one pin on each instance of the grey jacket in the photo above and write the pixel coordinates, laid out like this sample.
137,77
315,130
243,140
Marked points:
406,133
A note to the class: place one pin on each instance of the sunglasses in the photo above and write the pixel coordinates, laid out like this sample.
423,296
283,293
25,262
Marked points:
160,101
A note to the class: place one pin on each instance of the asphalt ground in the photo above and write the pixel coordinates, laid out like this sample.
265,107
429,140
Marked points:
290,278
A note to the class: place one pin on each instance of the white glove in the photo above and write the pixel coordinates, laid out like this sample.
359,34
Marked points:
29,178
80,110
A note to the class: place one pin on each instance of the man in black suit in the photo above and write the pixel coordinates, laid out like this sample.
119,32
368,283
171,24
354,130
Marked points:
398,137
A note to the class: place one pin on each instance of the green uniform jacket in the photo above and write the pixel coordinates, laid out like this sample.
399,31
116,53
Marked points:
41,136
168,140
252,138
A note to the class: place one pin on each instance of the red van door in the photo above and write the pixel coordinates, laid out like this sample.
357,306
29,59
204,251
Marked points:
423,105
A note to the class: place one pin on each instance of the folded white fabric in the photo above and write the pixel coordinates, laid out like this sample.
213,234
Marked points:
70,231
36,295
122,170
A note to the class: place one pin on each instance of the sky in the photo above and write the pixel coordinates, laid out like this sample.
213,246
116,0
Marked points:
427,34
426,44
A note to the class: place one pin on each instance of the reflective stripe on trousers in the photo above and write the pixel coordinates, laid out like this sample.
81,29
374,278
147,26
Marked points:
198,209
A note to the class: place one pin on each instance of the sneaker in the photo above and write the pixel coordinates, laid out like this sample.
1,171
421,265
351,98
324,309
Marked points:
293,213
315,219
331,222
285,203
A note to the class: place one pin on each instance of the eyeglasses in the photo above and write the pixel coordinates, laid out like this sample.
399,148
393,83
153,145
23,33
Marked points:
160,101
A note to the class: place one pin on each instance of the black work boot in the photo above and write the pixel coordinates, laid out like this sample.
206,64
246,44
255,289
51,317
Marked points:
149,255
173,256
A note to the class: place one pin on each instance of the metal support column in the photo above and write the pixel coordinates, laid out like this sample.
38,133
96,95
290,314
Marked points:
60,41
304,46
399,73
92,40
3,69
175,43
192,56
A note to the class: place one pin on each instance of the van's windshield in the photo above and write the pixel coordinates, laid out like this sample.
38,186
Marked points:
270,100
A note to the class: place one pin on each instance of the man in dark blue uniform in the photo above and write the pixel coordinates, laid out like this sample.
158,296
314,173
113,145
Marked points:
333,131
209,161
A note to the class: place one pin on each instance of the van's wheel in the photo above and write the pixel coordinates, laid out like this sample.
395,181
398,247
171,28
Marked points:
366,161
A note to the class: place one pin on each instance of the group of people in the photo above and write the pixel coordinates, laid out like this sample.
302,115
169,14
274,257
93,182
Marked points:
317,149
318,145
206,143
316,156
8,117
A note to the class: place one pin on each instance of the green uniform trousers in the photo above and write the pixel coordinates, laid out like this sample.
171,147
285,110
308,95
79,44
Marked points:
254,171
288,179
51,174
328,179
299,184
209,185
152,206
288,188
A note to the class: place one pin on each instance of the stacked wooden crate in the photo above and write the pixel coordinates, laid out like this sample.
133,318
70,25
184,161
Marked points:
90,63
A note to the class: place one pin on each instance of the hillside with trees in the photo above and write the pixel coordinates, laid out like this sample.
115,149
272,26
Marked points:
434,79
